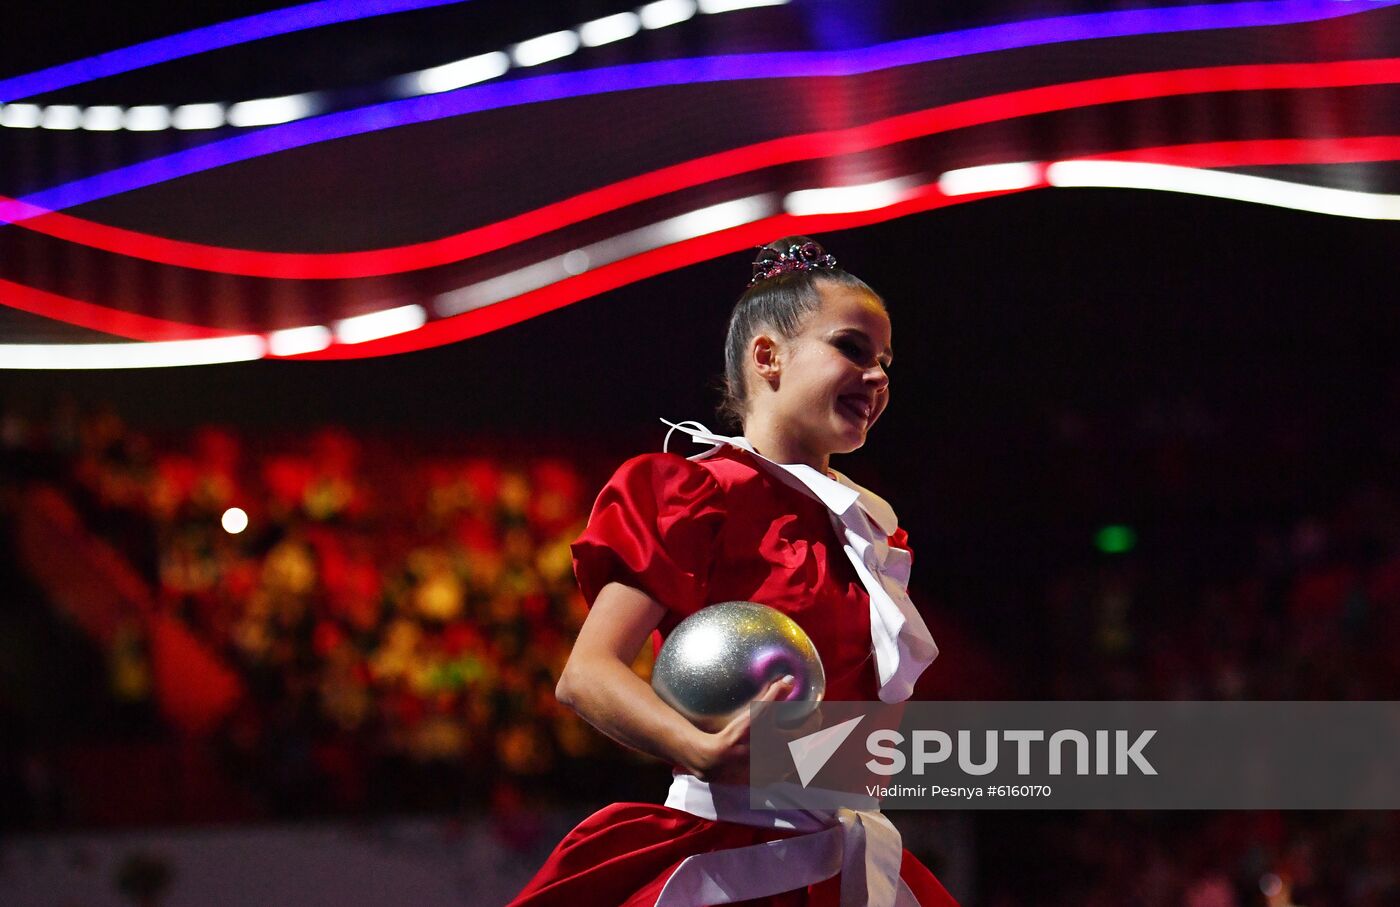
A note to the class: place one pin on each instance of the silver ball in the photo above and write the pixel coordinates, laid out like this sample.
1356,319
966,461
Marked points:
719,658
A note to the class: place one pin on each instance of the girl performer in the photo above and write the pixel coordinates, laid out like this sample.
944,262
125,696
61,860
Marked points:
761,517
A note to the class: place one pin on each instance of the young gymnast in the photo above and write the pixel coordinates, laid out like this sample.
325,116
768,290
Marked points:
759,517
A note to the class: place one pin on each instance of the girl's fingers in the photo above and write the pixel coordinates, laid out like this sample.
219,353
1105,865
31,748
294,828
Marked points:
777,689
738,727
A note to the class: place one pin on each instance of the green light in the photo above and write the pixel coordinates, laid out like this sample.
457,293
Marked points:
1115,539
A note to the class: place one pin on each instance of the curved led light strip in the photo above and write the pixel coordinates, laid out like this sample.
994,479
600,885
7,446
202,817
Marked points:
460,246
1238,187
99,317
673,72
155,354
911,198
447,77
202,40
662,13
695,237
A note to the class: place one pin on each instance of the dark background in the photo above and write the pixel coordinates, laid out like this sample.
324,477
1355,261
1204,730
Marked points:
1218,376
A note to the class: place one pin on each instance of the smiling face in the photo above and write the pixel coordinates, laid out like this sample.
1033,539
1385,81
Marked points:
828,382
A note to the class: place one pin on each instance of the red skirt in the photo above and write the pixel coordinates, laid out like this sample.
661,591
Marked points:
622,855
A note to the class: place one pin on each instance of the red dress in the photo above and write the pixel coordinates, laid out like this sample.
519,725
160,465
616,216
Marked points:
690,534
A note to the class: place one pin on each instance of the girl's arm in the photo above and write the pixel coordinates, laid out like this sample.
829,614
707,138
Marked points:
599,684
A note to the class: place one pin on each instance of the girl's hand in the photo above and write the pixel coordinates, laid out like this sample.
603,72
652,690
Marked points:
724,755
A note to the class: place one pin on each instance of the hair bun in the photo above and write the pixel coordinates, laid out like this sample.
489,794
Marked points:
794,253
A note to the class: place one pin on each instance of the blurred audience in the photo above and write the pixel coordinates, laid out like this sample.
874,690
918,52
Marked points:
389,611
396,616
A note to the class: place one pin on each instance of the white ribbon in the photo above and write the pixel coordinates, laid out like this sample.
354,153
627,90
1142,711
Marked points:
902,643
861,844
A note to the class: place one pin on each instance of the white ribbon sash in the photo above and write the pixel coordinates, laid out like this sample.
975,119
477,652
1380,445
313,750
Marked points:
861,844
902,643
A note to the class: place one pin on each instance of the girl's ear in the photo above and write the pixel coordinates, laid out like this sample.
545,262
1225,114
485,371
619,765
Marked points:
764,354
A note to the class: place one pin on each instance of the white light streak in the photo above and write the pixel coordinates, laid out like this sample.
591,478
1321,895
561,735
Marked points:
234,520
635,242
609,29
461,73
711,219
506,286
845,199
666,12
270,111
990,178
545,48
61,116
148,118
385,323
727,6
198,116
576,262
292,341
102,118
1220,184
157,354
20,116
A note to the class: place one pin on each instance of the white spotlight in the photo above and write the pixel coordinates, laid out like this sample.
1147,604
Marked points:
504,286
270,111
711,220
148,118
1223,184
461,73
989,178
384,323
61,116
291,341
198,116
155,354
102,118
609,29
20,116
846,199
545,48
666,12
576,262
234,520
726,6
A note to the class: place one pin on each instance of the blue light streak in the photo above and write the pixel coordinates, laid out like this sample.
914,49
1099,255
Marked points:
629,77
201,40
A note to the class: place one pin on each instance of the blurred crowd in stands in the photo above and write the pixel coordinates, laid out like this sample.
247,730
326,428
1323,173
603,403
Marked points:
387,613
396,612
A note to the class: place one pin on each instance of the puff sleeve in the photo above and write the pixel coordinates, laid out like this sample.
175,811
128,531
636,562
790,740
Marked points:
655,526
900,539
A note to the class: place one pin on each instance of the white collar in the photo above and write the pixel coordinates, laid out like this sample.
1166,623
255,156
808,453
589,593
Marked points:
836,491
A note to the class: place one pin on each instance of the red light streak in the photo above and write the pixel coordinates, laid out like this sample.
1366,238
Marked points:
790,149
118,322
